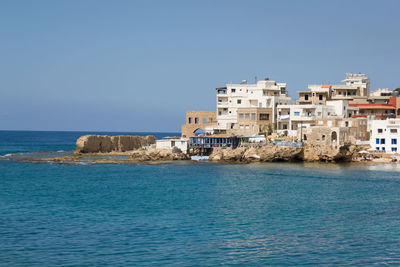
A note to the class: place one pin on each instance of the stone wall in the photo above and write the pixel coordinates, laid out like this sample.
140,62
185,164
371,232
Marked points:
106,144
198,120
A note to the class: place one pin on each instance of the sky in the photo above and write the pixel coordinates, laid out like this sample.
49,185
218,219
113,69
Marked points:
139,65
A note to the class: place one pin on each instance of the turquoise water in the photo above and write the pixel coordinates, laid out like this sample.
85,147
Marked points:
193,213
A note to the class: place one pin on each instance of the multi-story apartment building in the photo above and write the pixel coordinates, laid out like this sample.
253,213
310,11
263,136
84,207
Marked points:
292,117
262,97
388,109
355,89
385,135
317,95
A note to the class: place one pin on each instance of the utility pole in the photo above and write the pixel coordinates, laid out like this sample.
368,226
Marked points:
301,131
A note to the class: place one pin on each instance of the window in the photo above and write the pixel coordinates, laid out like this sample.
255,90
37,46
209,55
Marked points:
394,149
377,148
306,97
239,101
380,130
394,141
247,115
321,97
190,120
233,90
196,120
297,113
382,141
377,141
241,115
253,116
172,143
323,137
383,149
264,117
204,120
393,130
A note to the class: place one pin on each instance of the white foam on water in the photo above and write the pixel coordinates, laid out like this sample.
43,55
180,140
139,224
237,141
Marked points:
60,151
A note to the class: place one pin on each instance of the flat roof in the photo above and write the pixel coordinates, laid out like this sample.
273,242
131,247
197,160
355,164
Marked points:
215,136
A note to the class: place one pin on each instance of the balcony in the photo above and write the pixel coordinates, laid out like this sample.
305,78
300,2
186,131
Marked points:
283,117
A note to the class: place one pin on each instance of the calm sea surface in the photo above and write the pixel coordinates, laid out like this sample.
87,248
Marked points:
188,213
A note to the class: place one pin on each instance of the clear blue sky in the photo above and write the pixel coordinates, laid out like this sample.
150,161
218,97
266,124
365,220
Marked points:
139,65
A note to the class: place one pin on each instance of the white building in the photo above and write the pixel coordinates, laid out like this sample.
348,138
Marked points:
170,143
263,94
381,92
292,117
359,81
385,135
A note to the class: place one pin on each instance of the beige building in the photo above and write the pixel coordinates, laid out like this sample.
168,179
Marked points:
253,121
328,137
355,89
199,121
358,127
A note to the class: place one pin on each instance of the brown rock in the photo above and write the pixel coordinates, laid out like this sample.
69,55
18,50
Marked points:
106,144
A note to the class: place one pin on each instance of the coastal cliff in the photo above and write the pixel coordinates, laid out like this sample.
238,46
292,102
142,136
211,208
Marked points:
106,144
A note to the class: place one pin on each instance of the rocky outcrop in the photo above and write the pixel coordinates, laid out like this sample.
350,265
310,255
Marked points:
106,144
257,154
314,152
157,155
309,152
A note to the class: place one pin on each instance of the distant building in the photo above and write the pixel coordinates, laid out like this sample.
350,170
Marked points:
355,89
385,135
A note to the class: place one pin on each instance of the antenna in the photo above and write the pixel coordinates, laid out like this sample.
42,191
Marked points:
255,79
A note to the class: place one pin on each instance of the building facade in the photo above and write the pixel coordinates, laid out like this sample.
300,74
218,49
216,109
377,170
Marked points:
385,135
355,89
203,121
293,117
358,127
262,96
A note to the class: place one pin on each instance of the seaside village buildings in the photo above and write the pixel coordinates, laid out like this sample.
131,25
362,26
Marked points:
334,113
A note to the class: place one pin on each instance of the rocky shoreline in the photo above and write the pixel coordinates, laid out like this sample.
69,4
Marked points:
141,150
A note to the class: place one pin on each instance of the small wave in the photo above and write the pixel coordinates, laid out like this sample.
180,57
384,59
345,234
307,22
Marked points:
6,155
60,151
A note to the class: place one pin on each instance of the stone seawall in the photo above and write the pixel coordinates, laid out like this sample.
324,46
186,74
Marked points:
107,144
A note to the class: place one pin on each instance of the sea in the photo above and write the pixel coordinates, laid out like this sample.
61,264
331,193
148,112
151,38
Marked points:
192,213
